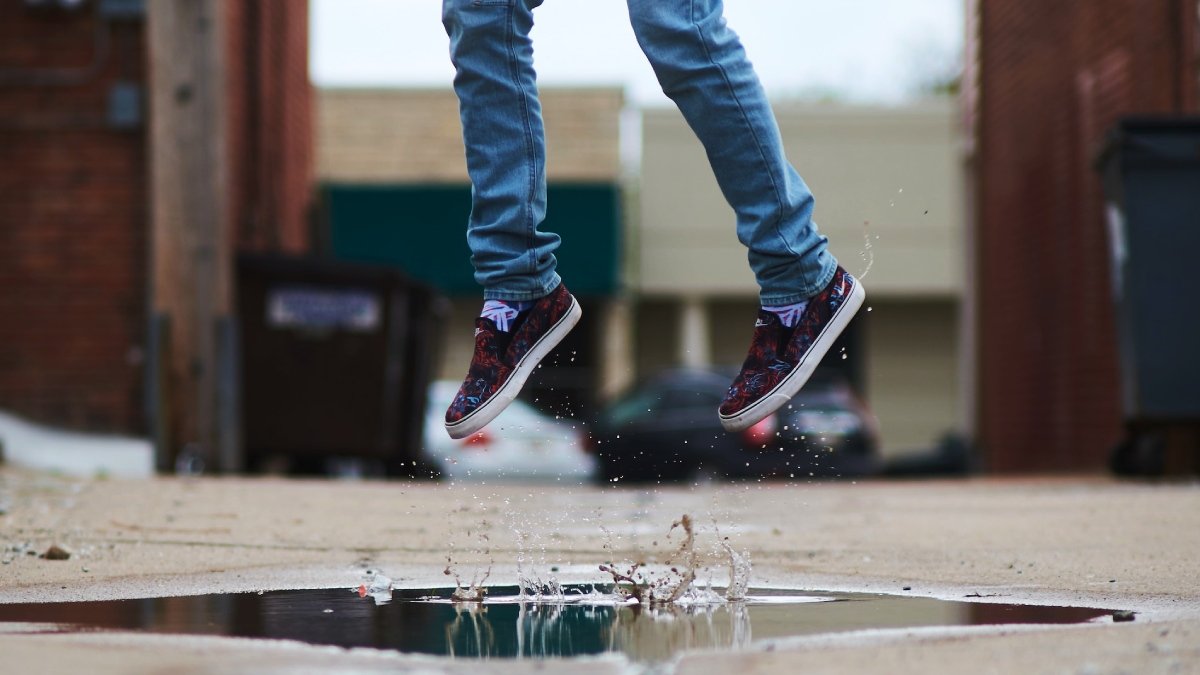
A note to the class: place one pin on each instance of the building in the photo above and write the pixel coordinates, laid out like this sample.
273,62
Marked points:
141,144
888,186
394,189
1045,82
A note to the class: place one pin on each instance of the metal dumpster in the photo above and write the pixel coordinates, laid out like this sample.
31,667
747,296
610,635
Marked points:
336,359
1151,169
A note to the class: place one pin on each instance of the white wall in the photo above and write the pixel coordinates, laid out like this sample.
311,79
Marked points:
888,176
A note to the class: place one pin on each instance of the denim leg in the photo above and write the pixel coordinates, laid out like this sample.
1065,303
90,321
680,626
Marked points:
703,68
505,141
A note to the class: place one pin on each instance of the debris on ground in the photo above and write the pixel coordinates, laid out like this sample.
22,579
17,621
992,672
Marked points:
56,552
380,589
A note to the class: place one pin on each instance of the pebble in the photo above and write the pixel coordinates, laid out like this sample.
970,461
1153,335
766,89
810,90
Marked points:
56,552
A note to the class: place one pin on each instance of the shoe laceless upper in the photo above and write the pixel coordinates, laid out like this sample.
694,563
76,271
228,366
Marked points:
498,353
776,349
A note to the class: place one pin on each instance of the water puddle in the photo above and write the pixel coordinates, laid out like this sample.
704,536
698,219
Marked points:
507,622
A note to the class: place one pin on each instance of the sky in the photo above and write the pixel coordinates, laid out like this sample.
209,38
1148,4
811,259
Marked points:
861,51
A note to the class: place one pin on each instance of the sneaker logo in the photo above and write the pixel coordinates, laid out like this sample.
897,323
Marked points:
760,323
478,331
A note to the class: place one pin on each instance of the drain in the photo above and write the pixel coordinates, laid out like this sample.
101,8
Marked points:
586,620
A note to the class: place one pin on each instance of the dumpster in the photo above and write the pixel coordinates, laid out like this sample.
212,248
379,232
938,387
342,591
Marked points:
335,359
1151,169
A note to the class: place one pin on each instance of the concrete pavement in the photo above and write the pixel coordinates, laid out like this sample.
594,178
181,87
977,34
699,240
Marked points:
1088,542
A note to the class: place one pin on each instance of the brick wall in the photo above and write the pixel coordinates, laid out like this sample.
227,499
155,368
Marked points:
73,198
1053,77
72,222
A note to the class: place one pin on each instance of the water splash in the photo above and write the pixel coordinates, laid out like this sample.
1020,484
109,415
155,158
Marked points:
677,586
672,580
739,573
868,252
475,591
531,556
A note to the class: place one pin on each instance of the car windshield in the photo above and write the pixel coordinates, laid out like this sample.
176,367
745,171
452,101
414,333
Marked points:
632,408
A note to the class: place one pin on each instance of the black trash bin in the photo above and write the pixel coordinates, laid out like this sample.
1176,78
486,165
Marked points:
1151,170
336,359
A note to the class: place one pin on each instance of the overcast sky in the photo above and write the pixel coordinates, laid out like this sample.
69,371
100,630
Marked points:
868,51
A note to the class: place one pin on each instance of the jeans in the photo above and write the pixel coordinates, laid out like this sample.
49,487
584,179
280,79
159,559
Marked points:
702,67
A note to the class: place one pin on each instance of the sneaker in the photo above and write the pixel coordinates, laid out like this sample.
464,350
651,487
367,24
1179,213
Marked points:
781,359
503,360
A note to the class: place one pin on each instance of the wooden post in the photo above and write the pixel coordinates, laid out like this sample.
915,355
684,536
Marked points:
190,251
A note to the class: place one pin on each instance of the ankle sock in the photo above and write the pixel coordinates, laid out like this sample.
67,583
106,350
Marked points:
788,314
501,312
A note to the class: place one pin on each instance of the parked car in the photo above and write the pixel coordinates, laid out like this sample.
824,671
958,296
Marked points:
667,429
520,444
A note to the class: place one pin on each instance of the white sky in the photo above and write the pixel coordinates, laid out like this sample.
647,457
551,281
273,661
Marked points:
868,51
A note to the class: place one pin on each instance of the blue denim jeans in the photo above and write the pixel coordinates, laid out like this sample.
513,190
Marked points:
702,67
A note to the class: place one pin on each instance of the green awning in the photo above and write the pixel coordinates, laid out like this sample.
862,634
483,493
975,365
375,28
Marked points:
422,230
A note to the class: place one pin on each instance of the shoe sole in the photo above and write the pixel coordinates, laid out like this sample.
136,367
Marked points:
507,393
795,380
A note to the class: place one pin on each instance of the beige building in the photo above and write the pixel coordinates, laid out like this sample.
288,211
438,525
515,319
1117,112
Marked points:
888,185
389,136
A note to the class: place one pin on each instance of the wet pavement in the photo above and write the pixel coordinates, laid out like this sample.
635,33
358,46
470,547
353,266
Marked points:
1084,543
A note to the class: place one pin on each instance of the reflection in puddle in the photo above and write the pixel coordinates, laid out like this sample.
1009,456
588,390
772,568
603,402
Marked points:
585,621
557,630
660,633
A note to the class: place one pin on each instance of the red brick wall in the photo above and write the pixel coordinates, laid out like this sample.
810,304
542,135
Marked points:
1053,78
73,221
72,226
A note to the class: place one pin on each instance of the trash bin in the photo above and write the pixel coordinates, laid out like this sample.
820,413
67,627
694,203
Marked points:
1151,169
336,359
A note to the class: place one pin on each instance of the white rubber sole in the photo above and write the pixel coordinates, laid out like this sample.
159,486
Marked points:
795,381
507,393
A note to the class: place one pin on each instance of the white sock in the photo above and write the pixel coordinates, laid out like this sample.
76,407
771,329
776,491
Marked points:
501,312
788,314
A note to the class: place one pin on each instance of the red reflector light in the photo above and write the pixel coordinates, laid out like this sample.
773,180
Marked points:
478,440
762,432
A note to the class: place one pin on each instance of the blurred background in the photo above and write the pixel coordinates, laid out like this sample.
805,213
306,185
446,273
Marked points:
232,237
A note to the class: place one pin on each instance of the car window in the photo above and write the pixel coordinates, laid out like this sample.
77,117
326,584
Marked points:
690,398
636,407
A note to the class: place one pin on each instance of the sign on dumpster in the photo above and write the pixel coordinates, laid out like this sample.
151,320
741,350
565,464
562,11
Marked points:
323,309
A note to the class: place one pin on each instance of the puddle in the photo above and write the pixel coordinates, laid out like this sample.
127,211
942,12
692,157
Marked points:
584,620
